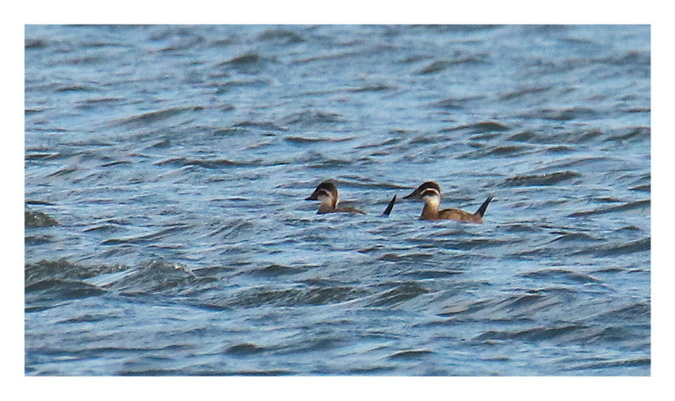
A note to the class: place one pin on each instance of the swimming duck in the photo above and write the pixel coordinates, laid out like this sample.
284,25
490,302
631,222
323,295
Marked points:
327,194
430,193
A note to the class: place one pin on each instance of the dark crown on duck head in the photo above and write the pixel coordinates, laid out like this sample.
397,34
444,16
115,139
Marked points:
326,188
428,188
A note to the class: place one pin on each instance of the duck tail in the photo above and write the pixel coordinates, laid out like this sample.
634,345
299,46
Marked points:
481,210
390,206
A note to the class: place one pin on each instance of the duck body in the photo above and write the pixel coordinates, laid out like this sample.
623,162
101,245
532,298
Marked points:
450,214
327,194
430,193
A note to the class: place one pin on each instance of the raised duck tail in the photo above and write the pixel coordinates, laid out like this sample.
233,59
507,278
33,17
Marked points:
481,210
390,206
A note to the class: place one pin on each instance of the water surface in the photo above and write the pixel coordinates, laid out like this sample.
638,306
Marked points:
166,168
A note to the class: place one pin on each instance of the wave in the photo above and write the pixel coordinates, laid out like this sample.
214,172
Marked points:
64,270
630,206
441,65
541,179
34,219
525,92
313,117
480,127
151,237
536,334
281,35
614,364
568,138
62,280
154,117
371,88
640,311
401,293
275,270
244,349
561,275
414,354
304,139
641,245
61,289
249,63
568,114
263,125
263,296
206,163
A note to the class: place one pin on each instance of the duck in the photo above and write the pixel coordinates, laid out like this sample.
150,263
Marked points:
430,193
327,194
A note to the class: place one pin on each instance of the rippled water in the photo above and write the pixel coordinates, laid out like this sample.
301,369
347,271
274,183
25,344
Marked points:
166,231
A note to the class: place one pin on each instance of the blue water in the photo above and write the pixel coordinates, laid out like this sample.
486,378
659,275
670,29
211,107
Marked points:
166,231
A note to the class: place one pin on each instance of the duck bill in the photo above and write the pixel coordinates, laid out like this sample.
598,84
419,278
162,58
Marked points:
312,197
413,195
